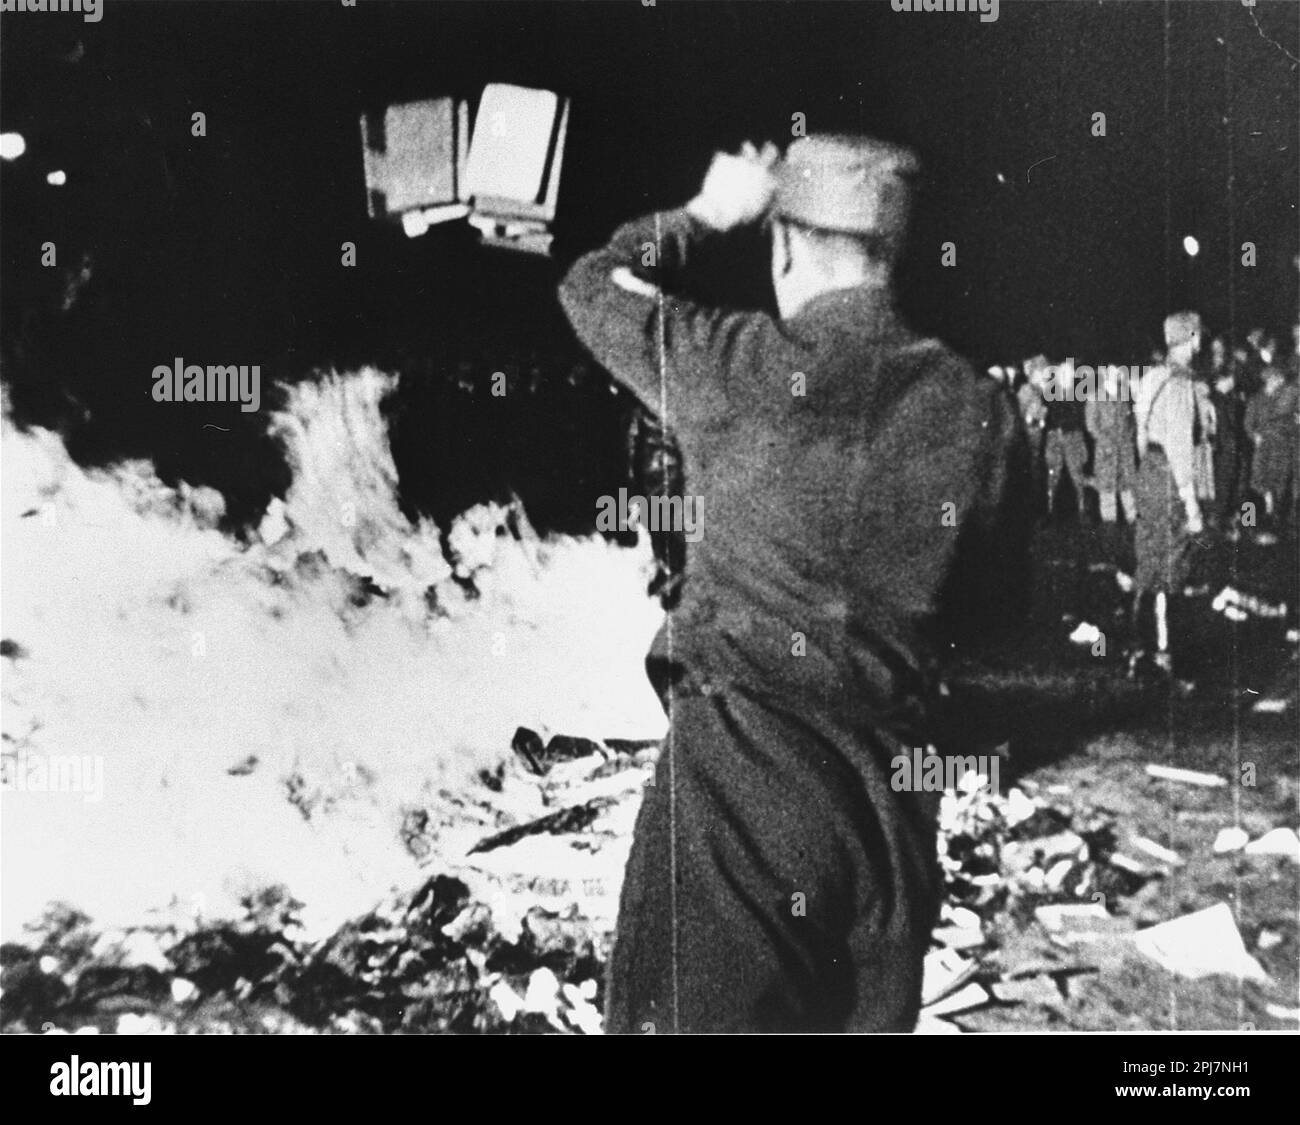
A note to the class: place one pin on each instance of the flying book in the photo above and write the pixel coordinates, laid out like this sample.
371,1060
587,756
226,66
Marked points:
423,167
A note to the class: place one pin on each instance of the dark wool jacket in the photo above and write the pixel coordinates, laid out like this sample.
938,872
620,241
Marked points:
835,457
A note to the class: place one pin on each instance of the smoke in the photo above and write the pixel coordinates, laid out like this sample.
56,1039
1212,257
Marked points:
275,711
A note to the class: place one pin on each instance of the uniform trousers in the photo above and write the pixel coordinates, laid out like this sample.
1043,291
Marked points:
776,882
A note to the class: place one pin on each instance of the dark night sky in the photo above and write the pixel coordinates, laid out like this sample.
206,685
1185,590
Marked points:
235,237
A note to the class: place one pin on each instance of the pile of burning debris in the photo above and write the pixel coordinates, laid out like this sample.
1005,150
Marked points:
511,933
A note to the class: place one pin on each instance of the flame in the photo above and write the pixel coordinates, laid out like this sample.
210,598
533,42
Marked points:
262,720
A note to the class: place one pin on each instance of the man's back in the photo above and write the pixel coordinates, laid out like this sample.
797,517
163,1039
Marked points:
835,457
835,486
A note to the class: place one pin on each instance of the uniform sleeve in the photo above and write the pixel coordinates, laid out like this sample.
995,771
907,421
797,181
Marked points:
1178,436
678,356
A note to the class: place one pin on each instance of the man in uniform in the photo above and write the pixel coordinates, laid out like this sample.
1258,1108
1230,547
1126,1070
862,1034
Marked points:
1271,422
1032,408
1109,419
1066,446
777,880
1168,512
1229,456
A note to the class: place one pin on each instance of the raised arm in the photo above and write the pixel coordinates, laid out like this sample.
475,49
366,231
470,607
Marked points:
625,304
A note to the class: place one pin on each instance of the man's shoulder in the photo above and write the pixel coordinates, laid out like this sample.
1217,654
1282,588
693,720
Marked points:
932,360
950,387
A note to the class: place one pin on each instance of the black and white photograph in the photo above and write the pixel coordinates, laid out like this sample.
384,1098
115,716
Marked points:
650,517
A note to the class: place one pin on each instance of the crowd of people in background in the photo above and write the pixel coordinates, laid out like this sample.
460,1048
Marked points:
1244,433
1202,439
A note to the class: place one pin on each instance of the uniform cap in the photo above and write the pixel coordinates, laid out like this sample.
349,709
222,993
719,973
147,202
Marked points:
1181,327
855,185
